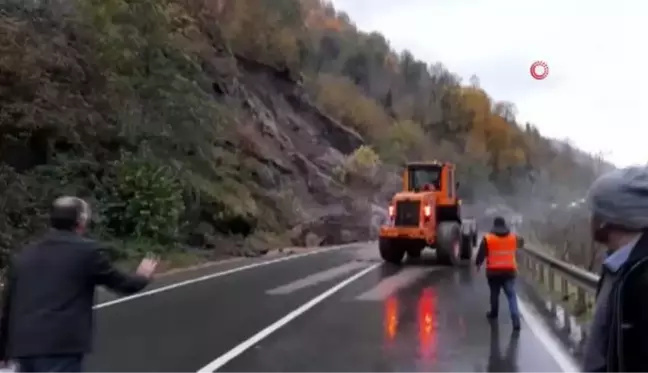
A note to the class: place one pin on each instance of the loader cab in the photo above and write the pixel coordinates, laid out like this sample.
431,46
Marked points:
438,177
421,178
441,176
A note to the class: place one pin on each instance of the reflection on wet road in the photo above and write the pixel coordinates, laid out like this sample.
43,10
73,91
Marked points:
342,310
503,361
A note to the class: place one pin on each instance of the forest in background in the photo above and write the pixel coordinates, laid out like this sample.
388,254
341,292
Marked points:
119,101
407,108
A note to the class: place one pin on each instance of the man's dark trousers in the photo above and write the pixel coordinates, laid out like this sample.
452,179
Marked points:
54,363
499,282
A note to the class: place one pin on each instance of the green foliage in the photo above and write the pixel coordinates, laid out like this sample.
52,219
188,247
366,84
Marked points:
362,165
143,200
344,101
128,34
364,158
26,197
225,202
130,249
159,86
264,31
406,140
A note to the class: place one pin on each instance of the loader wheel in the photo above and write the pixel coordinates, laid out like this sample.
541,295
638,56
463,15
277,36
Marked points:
390,250
466,249
448,245
414,250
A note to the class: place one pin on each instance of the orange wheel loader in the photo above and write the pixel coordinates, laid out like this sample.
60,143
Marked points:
427,213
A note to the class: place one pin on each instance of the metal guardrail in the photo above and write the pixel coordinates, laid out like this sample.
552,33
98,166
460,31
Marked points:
568,292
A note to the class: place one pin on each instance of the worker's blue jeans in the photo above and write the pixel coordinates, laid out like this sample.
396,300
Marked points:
506,283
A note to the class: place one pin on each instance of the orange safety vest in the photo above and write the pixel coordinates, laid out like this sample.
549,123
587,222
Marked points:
501,251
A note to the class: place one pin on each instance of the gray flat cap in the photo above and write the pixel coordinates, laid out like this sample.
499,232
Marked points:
621,197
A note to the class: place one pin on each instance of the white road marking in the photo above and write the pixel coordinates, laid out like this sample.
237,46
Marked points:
535,323
196,267
220,274
316,278
243,346
178,271
393,283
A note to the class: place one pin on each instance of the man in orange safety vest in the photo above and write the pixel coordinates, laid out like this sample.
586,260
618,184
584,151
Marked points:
498,249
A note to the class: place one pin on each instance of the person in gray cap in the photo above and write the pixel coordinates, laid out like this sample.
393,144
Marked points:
618,339
46,322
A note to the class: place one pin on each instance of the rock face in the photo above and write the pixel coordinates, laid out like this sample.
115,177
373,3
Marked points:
299,146
284,147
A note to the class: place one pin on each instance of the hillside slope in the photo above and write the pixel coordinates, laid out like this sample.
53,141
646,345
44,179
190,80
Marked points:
237,125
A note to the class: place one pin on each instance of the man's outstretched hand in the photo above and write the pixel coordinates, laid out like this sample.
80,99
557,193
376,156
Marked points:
147,266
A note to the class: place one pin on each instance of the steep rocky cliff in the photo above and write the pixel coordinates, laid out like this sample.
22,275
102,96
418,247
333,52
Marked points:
257,171
298,148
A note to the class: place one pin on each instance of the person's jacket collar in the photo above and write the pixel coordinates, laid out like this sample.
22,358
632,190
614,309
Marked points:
619,257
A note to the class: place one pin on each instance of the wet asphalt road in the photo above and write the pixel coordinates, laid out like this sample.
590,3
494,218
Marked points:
419,317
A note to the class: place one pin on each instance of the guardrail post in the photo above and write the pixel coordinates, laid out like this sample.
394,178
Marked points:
552,291
581,302
531,267
583,339
564,290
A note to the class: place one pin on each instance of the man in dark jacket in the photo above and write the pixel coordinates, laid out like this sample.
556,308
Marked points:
46,322
498,249
618,339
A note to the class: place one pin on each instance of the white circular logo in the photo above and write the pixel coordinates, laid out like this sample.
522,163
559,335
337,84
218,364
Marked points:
539,70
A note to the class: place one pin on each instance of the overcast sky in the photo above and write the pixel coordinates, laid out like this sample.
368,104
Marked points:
596,93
